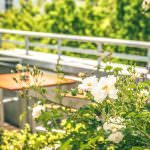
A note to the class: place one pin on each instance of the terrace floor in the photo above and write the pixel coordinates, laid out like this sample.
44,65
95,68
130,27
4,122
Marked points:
70,65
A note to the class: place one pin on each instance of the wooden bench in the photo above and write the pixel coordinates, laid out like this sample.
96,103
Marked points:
48,81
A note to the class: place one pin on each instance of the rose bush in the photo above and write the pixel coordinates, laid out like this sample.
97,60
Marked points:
117,117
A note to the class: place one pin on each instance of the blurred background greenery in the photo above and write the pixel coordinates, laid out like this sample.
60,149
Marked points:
121,19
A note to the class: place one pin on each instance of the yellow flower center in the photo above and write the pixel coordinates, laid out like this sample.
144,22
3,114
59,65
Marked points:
105,88
89,84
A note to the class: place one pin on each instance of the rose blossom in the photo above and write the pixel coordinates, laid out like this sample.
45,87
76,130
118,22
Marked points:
116,137
114,124
88,83
104,88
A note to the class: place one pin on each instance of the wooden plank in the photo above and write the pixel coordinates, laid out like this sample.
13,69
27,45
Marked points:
7,82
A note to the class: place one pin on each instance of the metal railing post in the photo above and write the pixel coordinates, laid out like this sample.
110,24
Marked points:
99,49
59,48
58,65
27,45
148,63
1,40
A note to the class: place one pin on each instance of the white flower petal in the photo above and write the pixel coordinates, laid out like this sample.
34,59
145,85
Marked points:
37,111
88,83
114,124
98,95
116,137
113,93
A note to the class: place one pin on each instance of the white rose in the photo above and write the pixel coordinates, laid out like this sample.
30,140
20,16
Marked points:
99,128
88,83
58,131
116,137
47,148
112,127
146,5
144,92
37,111
104,88
117,120
114,124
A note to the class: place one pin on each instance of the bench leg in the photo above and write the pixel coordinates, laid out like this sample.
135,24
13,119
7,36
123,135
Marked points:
26,113
1,108
23,112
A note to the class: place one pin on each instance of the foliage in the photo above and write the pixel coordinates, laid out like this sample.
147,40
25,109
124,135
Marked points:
136,24
24,140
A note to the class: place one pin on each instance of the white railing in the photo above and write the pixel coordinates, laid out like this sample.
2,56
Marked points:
96,40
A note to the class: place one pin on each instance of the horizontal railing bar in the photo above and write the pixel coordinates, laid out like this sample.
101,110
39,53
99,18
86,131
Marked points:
14,42
82,51
130,43
7,59
43,45
31,44
130,57
7,64
78,50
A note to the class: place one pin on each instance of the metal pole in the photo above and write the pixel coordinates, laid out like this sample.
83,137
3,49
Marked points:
1,40
148,57
27,45
59,48
99,49
58,65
